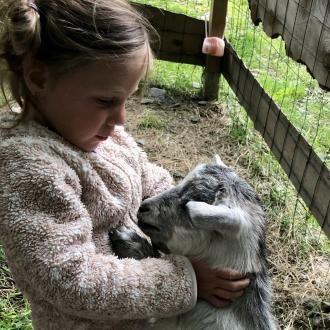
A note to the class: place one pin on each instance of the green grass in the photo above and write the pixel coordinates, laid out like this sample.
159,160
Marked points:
182,77
149,120
287,82
14,313
196,8
14,310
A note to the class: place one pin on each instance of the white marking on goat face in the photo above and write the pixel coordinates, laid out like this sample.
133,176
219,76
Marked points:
160,214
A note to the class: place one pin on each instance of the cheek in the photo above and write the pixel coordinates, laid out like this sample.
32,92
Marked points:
181,241
92,118
88,116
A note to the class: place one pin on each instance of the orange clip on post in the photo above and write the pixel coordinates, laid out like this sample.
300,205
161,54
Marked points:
213,46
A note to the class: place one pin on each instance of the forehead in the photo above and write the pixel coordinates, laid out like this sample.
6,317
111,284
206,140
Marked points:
192,175
119,75
205,171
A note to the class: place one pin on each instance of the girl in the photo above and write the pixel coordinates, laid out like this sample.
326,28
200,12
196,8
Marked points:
69,173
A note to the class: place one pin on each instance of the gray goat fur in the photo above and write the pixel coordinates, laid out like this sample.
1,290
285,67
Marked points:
215,216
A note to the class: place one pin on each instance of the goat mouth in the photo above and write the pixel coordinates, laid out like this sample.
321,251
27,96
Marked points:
161,247
147,227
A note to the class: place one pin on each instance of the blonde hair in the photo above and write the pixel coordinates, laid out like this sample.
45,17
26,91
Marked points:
66,34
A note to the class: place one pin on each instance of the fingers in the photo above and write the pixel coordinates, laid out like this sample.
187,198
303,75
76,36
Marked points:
233,285
218,286
229,274
227,295
232,280
222,298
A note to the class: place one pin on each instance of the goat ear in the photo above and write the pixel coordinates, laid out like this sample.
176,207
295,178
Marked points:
217,161
206,216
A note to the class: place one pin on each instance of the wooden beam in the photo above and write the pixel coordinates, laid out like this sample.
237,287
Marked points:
216,29
181,36
307,172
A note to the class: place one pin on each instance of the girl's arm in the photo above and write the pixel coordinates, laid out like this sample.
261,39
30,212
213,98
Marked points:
155,179
47,234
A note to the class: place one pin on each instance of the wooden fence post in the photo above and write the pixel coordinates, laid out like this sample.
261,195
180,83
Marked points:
217,25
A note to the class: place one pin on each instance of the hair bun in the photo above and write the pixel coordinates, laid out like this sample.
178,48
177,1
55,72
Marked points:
23,27
20,35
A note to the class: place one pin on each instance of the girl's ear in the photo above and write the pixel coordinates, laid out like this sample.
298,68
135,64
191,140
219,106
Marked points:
35,75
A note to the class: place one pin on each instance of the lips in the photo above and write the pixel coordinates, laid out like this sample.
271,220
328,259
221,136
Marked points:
108,132
102,138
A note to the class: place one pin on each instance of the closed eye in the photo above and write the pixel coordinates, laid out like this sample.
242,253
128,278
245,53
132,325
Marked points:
106,102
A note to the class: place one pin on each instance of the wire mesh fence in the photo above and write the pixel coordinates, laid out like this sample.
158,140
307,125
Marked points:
307,107
288,83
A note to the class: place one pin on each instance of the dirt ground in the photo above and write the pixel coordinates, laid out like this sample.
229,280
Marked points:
178,133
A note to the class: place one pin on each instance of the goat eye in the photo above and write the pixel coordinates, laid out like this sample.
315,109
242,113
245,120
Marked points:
183,203
221,190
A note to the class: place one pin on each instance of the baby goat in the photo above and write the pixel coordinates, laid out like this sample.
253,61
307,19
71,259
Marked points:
215,216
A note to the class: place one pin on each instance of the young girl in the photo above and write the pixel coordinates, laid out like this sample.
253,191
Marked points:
69,173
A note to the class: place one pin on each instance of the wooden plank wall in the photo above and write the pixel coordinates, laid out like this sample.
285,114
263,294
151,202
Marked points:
181,36
181,41
305,27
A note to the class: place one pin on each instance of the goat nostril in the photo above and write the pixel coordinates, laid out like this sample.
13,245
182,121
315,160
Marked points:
144,208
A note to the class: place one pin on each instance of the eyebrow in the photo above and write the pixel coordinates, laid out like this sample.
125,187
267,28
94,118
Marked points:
118,92
114,94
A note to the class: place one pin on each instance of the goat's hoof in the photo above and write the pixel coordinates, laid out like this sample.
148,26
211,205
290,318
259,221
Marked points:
126,243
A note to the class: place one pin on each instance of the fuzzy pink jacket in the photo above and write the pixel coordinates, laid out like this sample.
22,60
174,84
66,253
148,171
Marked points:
57,205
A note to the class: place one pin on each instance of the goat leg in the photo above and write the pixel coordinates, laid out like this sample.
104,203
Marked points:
126,243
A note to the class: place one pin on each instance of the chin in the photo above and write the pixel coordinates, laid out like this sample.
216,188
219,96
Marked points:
87,147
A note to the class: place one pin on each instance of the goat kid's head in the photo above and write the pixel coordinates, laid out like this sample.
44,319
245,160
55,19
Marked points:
181,219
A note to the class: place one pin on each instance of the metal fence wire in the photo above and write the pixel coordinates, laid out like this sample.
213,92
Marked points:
292,114
286,86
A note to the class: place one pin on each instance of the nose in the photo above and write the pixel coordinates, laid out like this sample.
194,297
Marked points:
146,220
117,116
144,208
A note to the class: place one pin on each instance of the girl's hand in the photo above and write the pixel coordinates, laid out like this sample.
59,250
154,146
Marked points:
219,287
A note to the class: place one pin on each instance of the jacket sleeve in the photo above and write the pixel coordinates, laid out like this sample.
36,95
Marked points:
155,179
47,235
